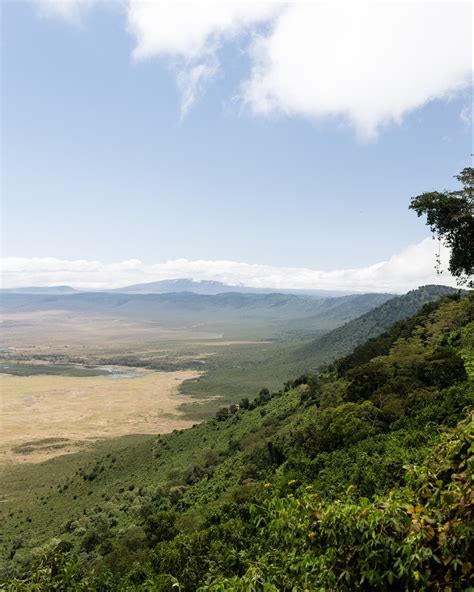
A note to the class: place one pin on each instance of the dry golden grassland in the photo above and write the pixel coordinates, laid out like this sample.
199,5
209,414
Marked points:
43,416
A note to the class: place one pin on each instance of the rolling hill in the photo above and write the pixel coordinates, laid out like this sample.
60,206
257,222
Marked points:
238,374
278,310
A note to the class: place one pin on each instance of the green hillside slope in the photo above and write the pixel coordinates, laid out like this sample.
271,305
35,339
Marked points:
239,372
342,340
357,478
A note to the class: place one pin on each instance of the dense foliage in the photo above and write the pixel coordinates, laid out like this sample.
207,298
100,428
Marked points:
342,340
450,214
358,478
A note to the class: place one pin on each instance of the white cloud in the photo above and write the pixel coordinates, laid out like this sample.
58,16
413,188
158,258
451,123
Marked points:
367,64
191,80
190,30
466,116
69,10
190,34
370,63
412,267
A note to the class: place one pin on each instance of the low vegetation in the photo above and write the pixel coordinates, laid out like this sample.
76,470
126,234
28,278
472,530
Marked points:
357,477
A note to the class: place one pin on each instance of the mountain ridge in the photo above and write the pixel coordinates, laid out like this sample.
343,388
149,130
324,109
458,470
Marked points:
207,287
144,305
373,323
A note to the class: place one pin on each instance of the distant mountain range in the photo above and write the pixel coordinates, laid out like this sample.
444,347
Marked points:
40,290
175,285
346,320
266,314
189,304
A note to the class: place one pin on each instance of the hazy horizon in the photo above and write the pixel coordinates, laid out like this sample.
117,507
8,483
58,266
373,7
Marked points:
407,270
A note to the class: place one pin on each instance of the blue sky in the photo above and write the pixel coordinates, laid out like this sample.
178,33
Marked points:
100,163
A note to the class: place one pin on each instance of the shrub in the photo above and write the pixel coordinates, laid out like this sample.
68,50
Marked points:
337,427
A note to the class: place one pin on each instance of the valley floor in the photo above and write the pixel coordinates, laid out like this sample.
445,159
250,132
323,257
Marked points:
68,380
45,416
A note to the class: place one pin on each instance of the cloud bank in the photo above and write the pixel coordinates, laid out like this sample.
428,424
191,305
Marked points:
366,64
408,269
370,63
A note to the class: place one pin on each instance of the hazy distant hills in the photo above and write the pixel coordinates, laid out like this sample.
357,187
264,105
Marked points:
342,337
175,285
188,308
213,288
40,290
341,322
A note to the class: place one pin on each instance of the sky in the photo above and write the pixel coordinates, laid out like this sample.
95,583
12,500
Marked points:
267,144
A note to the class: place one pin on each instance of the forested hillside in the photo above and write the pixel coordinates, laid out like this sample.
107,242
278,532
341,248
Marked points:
357,478
324,349
371,324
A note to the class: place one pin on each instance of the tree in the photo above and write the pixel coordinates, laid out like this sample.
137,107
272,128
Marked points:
337,427
443,367
450,214
160,527
222,414
263,396
244,403
366,379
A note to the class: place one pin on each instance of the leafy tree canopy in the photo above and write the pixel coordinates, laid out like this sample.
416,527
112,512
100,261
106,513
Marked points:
450,214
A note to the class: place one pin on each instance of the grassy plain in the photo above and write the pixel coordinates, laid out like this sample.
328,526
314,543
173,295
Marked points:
193,360
43,416
58,398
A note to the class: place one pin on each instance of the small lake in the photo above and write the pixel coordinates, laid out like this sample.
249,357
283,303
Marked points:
115,372
27,369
